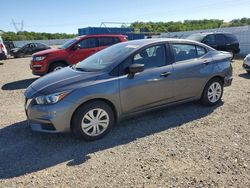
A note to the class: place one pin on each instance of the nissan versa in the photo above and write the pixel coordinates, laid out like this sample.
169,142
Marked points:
88,98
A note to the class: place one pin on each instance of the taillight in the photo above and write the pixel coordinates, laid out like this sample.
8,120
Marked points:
1,46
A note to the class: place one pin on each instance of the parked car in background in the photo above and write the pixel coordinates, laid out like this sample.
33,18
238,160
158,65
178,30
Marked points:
28,49
3,50
219,41
123,80
246,63
71,52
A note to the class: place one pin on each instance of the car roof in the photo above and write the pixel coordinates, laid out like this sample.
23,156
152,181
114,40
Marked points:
142,42
101,35
210,33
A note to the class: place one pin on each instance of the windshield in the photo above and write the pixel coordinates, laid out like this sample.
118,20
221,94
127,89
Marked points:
68,43
106,57
196,37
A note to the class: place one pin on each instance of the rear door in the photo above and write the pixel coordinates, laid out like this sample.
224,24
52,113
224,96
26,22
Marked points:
221,42
192,65
153,86
104,42
85,48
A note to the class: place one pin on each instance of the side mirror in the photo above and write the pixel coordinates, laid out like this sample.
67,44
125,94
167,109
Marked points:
134,68
75,47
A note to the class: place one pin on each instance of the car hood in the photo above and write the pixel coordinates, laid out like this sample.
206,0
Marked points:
66,79
49,51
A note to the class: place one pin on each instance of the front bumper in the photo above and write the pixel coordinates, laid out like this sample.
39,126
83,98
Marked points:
53,118
38,67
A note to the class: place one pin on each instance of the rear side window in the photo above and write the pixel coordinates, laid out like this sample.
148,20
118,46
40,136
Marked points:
231,38
200,51
88,43
184,52
220,39
108,41
154,56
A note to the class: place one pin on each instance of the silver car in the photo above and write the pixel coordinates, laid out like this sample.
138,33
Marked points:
246,63
123,80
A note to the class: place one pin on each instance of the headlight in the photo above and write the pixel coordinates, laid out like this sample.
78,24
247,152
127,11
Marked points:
38,58
51,99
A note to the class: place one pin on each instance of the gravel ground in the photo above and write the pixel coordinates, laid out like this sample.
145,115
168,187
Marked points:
184,146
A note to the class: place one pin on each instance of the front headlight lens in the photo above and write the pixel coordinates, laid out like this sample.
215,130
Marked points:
51,99
38,58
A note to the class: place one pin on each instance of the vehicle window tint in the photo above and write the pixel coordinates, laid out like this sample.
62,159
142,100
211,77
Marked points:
201,51
209,40
88,43
231,38
184,52
220,39
151,57
108,41
39,45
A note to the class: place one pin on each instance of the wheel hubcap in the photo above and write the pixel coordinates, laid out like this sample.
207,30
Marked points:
57,68
214,92
95,122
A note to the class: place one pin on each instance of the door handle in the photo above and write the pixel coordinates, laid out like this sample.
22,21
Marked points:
165,74
206,62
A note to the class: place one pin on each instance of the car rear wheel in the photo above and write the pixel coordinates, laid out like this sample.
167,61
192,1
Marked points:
56,66
248,72
92,120
212,92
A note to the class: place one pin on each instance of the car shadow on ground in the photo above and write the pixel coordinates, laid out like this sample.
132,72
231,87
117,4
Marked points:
24,151
244,75
20,84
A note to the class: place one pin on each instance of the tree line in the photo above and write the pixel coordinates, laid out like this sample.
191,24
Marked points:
25,35
186,25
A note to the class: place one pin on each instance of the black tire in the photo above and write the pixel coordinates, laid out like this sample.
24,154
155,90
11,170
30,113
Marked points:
248,72
76,123
56,66
205,99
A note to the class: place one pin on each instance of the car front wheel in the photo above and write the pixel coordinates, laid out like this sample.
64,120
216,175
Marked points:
92,120
56,67
212,93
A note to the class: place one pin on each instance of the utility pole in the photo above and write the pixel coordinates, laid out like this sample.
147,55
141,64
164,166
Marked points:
18,25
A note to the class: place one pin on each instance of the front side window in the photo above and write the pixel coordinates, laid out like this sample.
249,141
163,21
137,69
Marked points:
209,40
88,43
151,57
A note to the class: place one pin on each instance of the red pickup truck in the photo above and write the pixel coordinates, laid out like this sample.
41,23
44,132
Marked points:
71,52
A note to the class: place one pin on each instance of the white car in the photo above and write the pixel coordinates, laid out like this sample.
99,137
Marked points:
246,63
3,50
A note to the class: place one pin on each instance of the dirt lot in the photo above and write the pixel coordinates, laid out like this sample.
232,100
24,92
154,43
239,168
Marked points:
184,146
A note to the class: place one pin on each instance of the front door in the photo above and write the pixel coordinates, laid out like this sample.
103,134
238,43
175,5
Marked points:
84,49
153,86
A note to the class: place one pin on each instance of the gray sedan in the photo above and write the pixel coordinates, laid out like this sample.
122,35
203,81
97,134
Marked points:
123,80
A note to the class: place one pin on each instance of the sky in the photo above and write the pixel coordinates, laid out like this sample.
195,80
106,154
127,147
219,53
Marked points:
66,16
